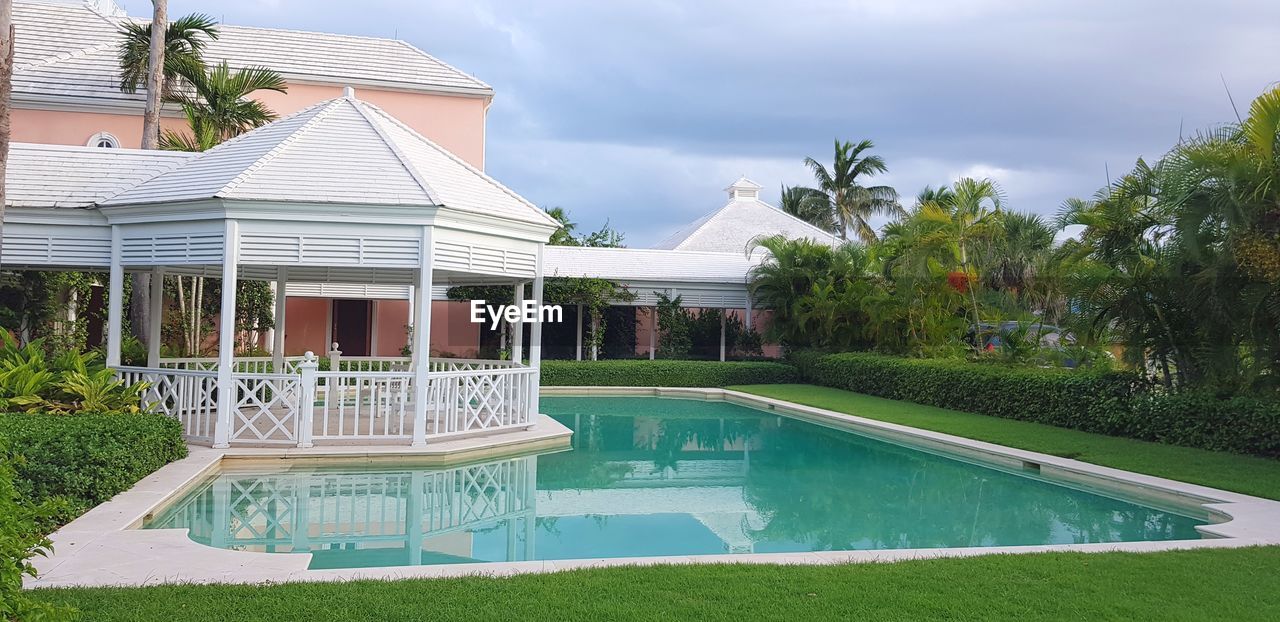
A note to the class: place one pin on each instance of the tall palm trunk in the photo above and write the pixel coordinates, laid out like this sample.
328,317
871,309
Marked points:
155,75
6,93
973,298
140,300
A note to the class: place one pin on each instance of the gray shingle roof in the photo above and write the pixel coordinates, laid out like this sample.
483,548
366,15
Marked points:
742,220
68,49
60,176
338,151
647,264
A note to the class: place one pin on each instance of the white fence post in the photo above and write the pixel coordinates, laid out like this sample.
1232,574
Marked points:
307,398
335,357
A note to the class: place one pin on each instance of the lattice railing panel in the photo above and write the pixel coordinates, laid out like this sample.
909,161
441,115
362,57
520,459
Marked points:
267,408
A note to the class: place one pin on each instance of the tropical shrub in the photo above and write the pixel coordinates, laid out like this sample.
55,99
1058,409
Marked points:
31,381
1118,403
83,460
686,334
21,539
663,373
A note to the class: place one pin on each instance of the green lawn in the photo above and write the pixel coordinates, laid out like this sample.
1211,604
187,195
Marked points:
1186,585
1245,474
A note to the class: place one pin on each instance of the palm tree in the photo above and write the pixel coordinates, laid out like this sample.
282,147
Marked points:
6,93
973,216
941,195
184,41
852,203
564,235
1016,255
217,105
810,205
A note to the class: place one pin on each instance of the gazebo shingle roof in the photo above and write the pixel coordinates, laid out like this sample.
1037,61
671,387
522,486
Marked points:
342,150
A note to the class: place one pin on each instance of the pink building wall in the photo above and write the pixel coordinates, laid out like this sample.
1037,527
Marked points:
308,322
454,122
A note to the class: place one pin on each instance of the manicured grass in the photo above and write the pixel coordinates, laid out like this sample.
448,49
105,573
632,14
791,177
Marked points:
1238,584
1244,474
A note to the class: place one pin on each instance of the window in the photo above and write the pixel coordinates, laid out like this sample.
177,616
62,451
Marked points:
104,140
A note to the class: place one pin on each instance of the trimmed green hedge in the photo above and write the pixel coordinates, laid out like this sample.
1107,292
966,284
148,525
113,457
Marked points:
83,460
665,373
1110,402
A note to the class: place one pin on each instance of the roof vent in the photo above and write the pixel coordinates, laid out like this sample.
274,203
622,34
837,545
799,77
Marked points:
106,8
744,190
349,93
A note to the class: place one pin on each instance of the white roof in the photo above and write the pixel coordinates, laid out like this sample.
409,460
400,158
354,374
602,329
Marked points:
342,150
60,176
68,48
742,220
646,264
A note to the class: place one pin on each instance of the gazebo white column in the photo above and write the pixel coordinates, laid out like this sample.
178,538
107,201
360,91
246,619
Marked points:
535,338
115,300
422,337
155,317
277,333
517,327
227,336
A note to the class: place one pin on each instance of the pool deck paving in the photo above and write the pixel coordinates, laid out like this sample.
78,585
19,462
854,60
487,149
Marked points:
105,546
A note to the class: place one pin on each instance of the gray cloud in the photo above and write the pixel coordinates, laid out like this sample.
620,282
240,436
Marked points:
640,112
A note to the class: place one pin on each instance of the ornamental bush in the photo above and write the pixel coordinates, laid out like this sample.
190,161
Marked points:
1118,403
21,539
80,461
665,373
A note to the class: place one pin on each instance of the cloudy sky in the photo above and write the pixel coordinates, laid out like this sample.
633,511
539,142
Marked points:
639,113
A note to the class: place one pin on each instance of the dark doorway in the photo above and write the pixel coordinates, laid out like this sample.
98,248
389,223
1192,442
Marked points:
351,326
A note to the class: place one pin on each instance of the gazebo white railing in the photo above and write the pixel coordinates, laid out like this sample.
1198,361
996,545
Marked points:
310,406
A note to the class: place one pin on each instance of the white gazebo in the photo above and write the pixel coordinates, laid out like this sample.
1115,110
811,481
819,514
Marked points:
339,192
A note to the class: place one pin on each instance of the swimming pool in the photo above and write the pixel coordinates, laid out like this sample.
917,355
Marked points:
650,476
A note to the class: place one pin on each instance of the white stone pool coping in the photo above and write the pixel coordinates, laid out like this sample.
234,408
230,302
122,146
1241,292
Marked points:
105,548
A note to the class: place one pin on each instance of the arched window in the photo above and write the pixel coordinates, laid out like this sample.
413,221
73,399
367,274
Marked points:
104,140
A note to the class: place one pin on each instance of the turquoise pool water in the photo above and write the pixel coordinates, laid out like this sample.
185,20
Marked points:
650,476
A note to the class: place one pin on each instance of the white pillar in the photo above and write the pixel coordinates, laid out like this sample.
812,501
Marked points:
307,399
422,337
535,339
227,336
115,300
747,320
277,333
156,317
722,314
517,327
595,337
653,331
577,351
